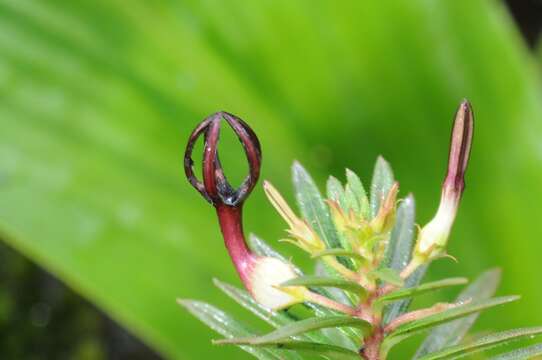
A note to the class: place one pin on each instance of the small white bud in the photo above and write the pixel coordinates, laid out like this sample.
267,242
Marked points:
266,275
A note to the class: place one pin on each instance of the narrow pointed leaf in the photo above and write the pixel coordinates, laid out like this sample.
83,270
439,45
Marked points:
325,281
484,343
327,351
356,195
451,314
399,250
243,298
338,252
421,289
300,327
312,206
315,210
335,192
280,318
225,325
381,184
352,203
262,248
529,352
274,318
388,275
482,288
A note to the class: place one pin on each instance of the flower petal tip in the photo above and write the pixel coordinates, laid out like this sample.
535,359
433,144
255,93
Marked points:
460,146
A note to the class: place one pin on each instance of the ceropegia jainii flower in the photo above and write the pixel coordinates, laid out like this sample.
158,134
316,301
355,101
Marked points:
260,275
432,238
364,247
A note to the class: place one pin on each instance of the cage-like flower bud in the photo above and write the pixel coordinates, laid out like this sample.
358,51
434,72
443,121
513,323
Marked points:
432,239
261,275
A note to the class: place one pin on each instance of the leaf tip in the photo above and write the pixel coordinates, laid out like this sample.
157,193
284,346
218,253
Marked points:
409,199
296,166
219,341
186,303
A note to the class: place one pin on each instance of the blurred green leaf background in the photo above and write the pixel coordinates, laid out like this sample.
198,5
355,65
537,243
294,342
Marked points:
97,99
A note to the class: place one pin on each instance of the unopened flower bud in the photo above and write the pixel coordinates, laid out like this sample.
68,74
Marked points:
433,237
268,273
260,275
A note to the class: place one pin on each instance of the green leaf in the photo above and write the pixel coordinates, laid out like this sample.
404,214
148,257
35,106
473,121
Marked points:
381,184
300,327
421,289
331,352
243,298
356,196
422,324
337,252
388,275
312,206
262,248
335,191
399,250
483,288
529,352
274,318
483,343
315,210
225,325
408,329
325,281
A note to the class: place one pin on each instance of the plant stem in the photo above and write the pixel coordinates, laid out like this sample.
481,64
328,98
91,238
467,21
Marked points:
417,314
371,349
324,301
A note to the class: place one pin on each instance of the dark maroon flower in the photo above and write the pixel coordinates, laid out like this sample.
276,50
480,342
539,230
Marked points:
259,274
